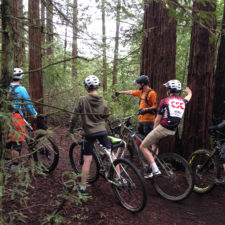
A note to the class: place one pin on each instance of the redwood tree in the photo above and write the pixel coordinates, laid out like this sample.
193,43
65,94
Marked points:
19,51
198,115
116,50
219,97
159,45
75,34
159,52
35,75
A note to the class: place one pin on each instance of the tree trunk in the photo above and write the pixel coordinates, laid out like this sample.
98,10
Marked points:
159,46
19,54
49,27
116,50
219,97
43,21
65,41
159,53
104,63
7,71
35,78
75,35
198,115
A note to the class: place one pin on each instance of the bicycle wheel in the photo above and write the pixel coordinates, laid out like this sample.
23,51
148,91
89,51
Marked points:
131,191
205,169
76,160
176,181
47,152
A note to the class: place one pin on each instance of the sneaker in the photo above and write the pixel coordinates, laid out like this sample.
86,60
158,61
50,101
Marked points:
149,175
220,182
81,190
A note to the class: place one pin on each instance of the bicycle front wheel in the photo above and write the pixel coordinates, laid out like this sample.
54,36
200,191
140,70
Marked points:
77,161
128,185
206,170
46,152
176,181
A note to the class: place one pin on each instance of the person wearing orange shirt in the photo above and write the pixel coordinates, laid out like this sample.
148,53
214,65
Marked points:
147,104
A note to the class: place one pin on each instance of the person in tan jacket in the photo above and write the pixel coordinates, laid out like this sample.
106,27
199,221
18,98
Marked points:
93,110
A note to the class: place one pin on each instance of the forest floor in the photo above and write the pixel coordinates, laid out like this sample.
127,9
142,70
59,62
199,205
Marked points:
103,208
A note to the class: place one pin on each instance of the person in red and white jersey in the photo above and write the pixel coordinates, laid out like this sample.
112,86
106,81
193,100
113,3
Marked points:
169,115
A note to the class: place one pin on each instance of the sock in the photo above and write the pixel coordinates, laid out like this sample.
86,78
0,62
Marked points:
154,167
82,187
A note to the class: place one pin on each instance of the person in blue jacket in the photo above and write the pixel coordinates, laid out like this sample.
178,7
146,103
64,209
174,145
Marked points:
20,100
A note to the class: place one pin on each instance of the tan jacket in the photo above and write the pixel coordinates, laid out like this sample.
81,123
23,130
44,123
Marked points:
94,110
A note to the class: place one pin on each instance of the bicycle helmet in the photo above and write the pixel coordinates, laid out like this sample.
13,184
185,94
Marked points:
143,79
174,85
18,73
91,81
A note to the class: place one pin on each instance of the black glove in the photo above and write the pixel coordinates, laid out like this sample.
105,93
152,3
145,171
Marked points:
141,112
117,93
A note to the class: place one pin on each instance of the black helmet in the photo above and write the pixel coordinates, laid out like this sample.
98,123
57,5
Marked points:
143,79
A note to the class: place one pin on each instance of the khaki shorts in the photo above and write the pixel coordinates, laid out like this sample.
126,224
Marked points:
156,135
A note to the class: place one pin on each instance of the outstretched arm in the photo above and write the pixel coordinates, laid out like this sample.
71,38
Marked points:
188,93
129,92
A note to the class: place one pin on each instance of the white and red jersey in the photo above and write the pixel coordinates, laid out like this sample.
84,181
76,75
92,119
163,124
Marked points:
172,109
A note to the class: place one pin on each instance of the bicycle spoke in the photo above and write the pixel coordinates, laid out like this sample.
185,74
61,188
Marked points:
175,182
129,188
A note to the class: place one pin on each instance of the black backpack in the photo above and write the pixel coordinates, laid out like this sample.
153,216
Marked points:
153,111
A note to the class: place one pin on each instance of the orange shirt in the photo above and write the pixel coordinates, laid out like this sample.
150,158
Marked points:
18,131
152,100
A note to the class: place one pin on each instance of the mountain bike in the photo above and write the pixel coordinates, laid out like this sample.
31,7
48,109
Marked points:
42,147
206,163
127,184
175,182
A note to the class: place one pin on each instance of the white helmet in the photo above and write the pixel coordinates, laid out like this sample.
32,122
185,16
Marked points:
18,73
92,81
174,85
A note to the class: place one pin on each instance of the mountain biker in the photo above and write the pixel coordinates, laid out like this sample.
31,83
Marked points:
170,112
20,100
94,110
147,104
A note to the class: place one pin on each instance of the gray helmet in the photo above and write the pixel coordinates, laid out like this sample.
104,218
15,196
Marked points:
18,73
143,79
91,81
174,85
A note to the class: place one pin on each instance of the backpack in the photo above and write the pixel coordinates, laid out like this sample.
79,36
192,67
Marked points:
153,111
11,94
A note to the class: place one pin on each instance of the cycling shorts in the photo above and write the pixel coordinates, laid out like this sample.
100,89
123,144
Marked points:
145,127
91,138
17,146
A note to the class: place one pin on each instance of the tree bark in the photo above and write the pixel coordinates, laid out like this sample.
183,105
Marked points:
75,35
116,50
7,71
35,78
104,62
219,97
159,53
159,45
49,28
198,114
19,54
43,21
65,41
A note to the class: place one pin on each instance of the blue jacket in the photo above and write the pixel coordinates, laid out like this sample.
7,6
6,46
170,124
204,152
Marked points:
21,92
